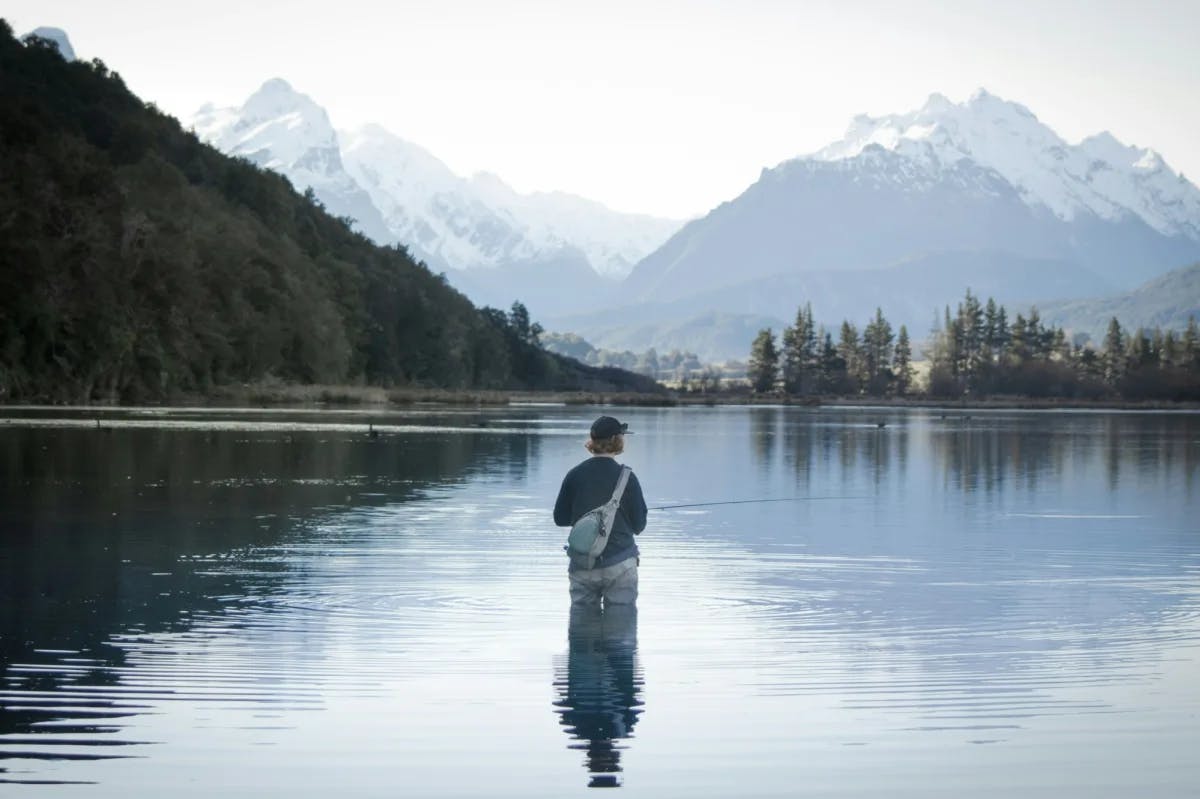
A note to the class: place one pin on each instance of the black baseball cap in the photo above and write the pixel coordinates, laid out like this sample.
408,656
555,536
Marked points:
607,427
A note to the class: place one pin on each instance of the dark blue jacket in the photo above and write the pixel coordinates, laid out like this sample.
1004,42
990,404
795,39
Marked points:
588,486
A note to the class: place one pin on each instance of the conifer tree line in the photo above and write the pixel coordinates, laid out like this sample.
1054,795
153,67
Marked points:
976,352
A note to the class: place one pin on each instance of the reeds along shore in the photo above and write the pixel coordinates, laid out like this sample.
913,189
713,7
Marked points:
281,394
285,394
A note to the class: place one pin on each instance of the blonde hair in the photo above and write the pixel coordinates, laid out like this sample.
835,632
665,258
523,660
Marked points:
613,445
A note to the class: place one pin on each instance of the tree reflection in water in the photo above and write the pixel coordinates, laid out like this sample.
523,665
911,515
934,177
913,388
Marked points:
600,688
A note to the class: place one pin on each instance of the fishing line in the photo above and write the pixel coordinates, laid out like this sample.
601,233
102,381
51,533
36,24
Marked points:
747,502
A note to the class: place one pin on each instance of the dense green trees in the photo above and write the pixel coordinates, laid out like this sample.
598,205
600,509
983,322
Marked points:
136,262
763,367
801,365
1030,359
975,352
809,363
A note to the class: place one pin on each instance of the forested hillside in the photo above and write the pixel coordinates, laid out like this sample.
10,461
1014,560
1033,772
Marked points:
137,263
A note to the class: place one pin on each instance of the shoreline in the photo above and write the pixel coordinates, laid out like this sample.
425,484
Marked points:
321,396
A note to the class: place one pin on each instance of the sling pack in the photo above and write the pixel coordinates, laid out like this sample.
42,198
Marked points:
589,535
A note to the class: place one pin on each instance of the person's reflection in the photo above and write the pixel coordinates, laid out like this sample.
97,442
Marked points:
599,696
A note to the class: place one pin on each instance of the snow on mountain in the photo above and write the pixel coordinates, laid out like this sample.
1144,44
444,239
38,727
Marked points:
428,207
1168,202
283,130
276,127
612,241
398,191
1100,175
483,222
56,35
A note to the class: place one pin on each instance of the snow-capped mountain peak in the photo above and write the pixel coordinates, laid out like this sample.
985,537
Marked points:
284,130
274,98
1099,176
276,127
398,191
481,221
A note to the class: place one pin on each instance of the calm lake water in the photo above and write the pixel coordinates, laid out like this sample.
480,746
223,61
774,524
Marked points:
274,603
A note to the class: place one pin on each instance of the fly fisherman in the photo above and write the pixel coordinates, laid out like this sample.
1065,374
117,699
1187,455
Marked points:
613,576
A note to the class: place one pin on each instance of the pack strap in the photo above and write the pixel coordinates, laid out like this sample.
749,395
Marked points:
622,481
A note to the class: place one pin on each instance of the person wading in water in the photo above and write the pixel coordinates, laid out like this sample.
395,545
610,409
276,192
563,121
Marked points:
613,577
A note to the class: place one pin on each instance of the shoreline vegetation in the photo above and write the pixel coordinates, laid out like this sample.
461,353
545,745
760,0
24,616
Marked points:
976,355
313,396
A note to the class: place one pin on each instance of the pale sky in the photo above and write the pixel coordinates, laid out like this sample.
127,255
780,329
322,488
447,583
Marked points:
663,107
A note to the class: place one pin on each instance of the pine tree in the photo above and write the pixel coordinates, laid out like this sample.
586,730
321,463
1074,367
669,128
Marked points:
1168,356
1088,363
943,371
1189,346
848,350
1001,336
1039,339
518,320
877,353
1139,351
832,371
1114,353
1019,347
764,362
800,362
954,348
971,323
902,363
991,314
806,339
988,347
1060,348
790,357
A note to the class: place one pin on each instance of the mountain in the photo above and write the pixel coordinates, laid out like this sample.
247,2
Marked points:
1166,302
549,250
138,264
481,222
56,35
283,130
1100,176
910,293
982,186
484,247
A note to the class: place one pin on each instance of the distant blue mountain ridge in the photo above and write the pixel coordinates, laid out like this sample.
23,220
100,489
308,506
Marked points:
1166,302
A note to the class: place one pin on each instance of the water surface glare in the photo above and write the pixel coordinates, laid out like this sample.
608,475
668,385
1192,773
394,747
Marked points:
250,603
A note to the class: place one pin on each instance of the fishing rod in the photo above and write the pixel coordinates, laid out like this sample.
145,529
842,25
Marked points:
748,501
